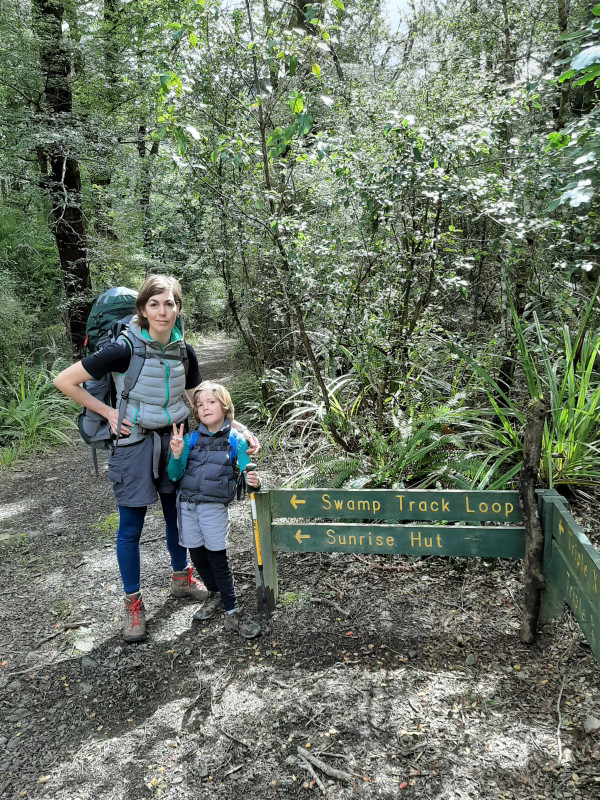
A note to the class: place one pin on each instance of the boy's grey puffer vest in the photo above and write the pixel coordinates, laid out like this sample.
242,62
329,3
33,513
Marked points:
208,476
156,400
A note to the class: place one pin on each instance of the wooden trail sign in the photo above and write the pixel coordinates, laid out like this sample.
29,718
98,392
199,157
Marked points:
415,540
572,572
411,522
380,506
389,504
433,522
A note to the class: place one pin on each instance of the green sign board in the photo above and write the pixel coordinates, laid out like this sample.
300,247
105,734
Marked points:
577,551
395,504
432,540
583,607
575,574
432,522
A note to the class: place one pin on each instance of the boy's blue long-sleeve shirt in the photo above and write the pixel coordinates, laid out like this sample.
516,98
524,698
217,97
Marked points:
176,466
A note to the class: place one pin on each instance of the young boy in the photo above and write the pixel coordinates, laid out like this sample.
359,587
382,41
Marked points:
201,461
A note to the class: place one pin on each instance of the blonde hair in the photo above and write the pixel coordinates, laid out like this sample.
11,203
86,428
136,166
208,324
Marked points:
220,392
153,285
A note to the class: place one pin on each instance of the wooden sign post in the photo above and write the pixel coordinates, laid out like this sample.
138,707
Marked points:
411,522
432,522
575,574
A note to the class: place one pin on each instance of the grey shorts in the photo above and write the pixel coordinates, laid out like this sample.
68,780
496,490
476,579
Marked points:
203,524
130,469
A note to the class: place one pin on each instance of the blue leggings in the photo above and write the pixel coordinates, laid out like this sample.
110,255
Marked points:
131,522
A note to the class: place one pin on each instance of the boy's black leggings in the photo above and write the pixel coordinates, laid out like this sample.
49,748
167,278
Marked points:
213,568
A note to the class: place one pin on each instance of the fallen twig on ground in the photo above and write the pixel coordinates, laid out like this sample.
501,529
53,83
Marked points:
558,701
66,626
233,738
308,766
331,604
337,774
235,769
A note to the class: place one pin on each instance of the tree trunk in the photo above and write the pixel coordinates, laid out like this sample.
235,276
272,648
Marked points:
563,22
100,171
63,181
301,8
144,185
509,68
534,536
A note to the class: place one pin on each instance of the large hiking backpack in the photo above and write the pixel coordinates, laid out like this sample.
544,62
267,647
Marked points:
111,306
109,317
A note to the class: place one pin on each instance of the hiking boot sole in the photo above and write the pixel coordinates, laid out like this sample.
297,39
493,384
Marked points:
135,639
250,632
211,607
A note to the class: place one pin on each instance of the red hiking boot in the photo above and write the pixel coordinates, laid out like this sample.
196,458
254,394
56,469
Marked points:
184,585
134,628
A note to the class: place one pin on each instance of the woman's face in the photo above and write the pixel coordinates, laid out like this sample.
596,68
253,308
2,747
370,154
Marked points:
161,312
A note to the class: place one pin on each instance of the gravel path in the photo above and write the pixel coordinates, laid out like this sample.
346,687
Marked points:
403,677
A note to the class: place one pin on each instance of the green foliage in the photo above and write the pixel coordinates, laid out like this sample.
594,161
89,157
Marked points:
33,415
29,317
291,598
579,140
571,445
449,446
563,369
349,207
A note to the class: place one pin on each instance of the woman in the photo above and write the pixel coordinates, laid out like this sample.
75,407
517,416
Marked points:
137,466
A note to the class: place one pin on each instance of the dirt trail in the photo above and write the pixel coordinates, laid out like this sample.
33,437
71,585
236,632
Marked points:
405,678
216,359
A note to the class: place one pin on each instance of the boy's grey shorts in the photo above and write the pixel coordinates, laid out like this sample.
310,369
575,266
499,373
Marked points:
130,469
203,524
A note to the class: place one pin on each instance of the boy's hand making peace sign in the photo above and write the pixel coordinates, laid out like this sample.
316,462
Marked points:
177,441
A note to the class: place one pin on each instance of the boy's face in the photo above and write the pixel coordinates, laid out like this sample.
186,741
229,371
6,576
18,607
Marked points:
209,411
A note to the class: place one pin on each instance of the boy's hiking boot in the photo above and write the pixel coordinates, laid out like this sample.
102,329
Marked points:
184,585
210,607
247,628
134,629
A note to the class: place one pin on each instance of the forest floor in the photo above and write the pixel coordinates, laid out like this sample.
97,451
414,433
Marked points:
376,678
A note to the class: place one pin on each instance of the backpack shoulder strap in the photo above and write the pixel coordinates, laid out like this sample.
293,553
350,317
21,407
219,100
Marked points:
181,356
184,357
233,445
193,438
240,482
138,356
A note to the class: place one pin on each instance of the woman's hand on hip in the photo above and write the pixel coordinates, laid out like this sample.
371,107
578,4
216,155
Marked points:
113,418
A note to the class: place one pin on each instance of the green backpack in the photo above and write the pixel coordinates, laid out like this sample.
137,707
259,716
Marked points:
111,306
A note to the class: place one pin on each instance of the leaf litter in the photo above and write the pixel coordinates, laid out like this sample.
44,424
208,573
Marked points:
377,677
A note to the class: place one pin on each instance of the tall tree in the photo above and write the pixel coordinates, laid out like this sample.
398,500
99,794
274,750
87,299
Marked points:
60,166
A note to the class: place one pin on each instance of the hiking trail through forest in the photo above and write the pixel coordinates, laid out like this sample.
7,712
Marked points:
377,678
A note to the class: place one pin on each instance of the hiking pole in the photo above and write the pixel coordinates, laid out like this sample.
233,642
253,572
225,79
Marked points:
263,593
